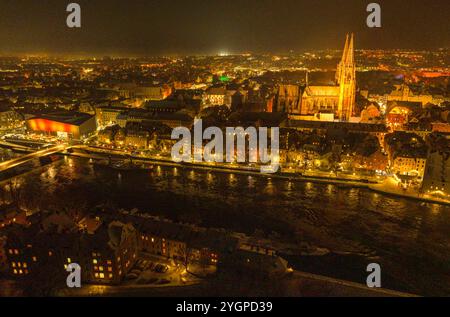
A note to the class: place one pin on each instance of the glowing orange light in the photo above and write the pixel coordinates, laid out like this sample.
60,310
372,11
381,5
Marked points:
45,125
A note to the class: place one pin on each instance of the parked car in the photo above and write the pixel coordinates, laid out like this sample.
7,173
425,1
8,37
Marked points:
131,276
136,271
161,268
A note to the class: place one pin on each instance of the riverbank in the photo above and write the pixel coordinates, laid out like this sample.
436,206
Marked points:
295,284
388,189
373,185
229,168
376,186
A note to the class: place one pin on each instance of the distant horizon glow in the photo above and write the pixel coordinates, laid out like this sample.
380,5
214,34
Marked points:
177,27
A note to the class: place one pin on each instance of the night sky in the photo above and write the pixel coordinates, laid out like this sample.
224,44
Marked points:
151,27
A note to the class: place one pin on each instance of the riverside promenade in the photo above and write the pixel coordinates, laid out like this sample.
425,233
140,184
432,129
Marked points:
383,185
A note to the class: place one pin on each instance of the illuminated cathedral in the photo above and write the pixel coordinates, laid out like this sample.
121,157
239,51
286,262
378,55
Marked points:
338,99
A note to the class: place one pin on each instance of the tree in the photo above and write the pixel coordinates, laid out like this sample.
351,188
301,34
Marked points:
185,252
11,192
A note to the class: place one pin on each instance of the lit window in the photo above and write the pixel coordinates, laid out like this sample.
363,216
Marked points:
13,264
109,262
16,251
102,275
15,271
69,260
110,276
100,268
109,269
24,265
94,261
34,259
96,275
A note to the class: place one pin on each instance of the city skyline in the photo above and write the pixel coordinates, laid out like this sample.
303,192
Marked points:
155,28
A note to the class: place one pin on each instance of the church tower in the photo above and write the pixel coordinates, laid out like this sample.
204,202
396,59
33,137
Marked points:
346,79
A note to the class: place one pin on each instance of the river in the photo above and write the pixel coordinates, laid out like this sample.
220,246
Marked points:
325,229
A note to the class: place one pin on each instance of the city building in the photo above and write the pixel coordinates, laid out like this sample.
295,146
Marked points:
137,138
398,112
214,96
109,251
437,173
105,252
9,118
144,92
65,125
339,99
410,165
153,92
182,243
288,98
379,129
107,115
375,162
371,114
107,134
404,93
407,153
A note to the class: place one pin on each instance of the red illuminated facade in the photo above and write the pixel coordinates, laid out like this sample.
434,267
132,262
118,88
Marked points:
73,126
45,125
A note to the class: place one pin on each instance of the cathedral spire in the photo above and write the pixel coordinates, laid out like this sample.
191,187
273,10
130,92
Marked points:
344,54
349,59
342,62
346,79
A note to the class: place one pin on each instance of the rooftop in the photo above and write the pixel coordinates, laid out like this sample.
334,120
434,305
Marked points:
367,127
68,117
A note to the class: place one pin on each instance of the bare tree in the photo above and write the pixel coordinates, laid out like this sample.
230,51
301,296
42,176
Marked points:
185,251
11,192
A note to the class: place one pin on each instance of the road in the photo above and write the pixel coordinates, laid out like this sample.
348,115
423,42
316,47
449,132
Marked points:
28,157
14,146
